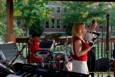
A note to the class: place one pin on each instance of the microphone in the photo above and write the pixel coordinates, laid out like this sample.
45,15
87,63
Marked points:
91,43
96,33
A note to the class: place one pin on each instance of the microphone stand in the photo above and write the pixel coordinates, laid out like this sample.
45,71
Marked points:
66,54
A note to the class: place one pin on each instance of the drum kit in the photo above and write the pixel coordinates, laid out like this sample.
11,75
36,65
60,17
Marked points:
53,60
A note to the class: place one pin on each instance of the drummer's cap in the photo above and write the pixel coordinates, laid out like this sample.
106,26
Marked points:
35,34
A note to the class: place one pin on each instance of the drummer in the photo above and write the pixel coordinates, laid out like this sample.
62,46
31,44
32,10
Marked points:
34,43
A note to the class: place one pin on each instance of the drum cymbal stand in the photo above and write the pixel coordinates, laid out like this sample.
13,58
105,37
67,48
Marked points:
17,55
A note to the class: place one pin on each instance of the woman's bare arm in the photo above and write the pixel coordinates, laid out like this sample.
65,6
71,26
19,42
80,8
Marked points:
78,48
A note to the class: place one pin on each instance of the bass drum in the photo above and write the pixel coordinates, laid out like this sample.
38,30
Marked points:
59,61
58,56
47,55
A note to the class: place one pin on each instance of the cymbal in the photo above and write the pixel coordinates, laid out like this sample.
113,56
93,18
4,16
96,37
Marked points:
54,35
65,37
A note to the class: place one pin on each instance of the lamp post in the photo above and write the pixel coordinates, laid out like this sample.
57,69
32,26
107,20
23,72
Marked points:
107,41
107,33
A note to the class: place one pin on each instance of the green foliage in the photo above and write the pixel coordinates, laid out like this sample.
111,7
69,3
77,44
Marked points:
18,31
2,8
31,11
36,28
2,28
35,11
84,12
2,31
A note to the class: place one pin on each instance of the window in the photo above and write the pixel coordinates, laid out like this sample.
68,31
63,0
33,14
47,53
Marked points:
58,23
18,22
64,26
53,23
47,24
58,9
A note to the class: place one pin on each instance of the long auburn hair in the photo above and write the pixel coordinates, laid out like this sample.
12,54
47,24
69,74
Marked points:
77,29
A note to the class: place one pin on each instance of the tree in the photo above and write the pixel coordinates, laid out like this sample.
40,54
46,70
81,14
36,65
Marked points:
33,12
84,12
2,8
36,28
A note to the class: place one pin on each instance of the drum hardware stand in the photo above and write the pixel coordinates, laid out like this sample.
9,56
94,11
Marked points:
66,55
18,54
7,68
